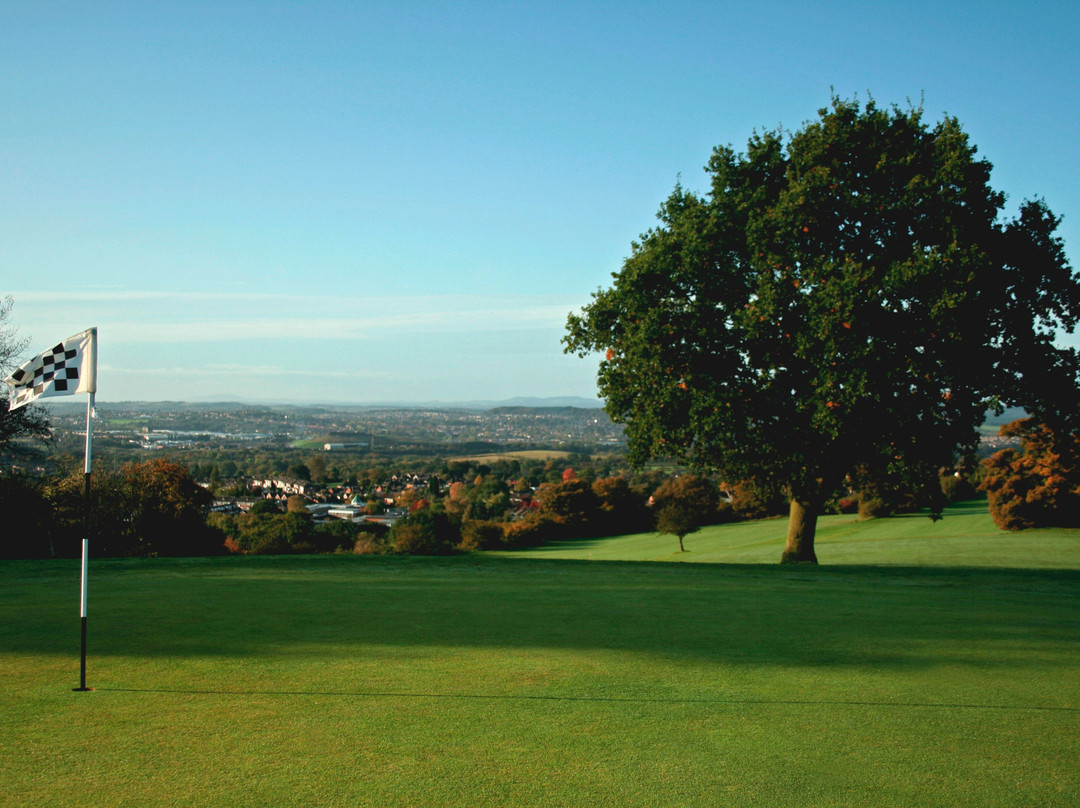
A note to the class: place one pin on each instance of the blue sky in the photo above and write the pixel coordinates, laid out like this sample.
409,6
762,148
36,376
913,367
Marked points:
371,202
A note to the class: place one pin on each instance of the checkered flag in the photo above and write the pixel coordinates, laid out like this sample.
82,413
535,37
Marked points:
68,368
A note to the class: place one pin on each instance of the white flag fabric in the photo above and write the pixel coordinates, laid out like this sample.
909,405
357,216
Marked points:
64,370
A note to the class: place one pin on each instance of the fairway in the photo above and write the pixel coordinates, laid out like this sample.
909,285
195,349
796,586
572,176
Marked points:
488,681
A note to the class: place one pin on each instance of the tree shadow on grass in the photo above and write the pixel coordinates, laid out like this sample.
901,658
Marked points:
895,618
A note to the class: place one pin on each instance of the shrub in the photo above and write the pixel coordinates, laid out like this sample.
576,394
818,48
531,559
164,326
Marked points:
754,500
533,530
333,535
847,505
622,509
425,532
367,544
1038,486
476,535
571,503
26,519
264,506
873,507
149,508
957,488
724,512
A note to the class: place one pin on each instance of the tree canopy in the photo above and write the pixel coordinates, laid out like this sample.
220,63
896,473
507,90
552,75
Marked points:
846,299
683,504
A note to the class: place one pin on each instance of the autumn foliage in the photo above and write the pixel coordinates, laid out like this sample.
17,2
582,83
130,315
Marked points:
1038,486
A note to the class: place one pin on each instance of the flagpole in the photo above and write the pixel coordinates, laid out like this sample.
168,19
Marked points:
87,465
67,368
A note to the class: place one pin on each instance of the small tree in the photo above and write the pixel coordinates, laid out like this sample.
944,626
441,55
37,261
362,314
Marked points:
683,504
676,519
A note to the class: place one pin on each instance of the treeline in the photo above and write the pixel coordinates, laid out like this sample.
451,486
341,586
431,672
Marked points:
490,512
158,508
141,509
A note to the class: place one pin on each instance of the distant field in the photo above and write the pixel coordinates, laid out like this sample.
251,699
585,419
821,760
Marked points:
486,681
526,454
308,443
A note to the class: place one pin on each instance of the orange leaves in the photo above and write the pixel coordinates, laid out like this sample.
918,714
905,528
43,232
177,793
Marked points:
609,355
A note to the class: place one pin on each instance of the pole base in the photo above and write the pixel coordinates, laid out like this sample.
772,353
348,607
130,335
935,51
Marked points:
80,689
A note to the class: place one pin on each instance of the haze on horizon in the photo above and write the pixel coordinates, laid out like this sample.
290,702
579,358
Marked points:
402,202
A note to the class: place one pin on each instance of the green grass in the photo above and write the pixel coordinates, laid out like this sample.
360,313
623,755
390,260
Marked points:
965,537
487,681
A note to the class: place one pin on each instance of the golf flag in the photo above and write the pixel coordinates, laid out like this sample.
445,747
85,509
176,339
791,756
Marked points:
65,369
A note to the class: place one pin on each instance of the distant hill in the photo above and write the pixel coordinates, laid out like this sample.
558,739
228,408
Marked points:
69,406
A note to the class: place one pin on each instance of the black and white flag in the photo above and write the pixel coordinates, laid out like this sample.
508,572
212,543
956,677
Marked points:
68,368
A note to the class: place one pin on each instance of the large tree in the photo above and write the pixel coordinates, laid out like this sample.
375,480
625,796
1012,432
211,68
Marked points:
846,299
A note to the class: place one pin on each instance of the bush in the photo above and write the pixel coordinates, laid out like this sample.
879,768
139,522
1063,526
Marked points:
264,506
957,489
873,507
428,531
573,504
152,508
847,505
725,513
333,535
753,500
368,544
533,530
1038,486
26,519
482,536
622,509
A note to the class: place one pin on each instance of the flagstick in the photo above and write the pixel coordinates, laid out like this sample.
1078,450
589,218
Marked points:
86,541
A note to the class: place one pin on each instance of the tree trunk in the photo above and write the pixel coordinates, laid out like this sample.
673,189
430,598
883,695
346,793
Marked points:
802,524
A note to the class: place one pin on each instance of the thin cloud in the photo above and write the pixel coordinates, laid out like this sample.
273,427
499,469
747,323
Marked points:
198,317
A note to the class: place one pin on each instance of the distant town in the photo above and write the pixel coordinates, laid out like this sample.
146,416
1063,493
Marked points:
177,425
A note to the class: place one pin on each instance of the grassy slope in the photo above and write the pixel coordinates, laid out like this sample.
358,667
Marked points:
965,537
479,681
